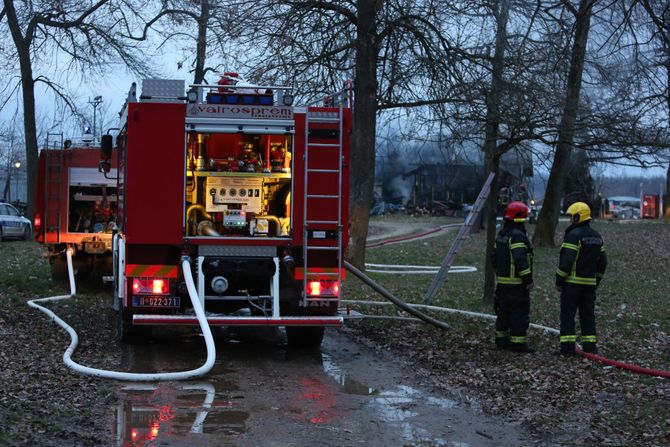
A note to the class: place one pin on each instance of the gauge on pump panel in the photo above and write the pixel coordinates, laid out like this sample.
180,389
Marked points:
212,191
222,192
243,192
233,192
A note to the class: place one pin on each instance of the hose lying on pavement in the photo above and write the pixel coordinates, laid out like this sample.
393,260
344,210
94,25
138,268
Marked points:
127,376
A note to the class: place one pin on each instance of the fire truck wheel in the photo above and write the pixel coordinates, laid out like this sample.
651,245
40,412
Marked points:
130,333
58,268
304,337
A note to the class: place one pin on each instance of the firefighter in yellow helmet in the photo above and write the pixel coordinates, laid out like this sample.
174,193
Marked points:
581,266
513,262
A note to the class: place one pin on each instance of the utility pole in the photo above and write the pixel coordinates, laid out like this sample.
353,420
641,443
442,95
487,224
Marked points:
17,165
95,103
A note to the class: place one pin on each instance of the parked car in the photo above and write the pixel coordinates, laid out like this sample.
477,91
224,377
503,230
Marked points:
13,224
626,213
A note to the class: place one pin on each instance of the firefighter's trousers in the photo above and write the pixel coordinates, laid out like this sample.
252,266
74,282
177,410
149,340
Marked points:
512,307
580,297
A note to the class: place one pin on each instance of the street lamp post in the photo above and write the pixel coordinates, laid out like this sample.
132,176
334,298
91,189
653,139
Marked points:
95,103
17,165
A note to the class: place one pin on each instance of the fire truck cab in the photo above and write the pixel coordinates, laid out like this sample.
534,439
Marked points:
249,188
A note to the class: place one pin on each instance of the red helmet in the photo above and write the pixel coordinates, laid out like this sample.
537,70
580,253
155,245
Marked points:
517,212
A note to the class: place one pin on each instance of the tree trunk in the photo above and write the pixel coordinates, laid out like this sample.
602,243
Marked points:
201,43
492,157
666,21
28,92
548,218
363,139
490,219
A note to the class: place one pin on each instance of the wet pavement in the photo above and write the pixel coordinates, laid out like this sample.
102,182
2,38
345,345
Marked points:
260,392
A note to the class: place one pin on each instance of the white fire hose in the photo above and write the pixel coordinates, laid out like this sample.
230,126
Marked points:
128,376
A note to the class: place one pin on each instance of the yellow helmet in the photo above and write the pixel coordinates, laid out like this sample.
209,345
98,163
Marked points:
579,212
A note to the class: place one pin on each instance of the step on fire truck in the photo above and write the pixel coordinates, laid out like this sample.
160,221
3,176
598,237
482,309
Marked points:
75,206
248,187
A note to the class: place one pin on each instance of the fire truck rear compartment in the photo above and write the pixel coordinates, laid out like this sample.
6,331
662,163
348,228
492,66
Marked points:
238,185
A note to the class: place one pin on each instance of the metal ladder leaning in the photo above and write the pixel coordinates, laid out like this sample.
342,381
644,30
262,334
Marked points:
460,238
322,230
52,193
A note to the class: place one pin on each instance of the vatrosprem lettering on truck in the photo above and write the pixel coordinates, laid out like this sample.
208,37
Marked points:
243,112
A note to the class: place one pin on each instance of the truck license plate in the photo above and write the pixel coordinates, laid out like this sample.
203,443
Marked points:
156,301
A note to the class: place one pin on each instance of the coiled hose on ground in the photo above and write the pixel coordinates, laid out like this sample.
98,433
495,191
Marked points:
127,376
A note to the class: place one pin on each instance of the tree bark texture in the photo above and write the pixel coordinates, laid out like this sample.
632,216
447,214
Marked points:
22,44
201,42
363,138
548,218
666,21
492,156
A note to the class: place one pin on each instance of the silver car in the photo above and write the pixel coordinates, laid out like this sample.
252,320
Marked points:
13,224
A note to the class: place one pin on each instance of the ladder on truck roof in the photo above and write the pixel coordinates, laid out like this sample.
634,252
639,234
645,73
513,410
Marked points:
322,200
52,188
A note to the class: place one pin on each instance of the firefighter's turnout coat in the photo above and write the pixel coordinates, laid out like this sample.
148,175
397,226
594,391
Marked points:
513,262
581,266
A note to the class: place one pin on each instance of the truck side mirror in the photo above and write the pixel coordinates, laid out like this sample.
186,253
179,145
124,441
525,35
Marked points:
106,145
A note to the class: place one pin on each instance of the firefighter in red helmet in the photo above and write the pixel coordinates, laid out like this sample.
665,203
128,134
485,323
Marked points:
513,263
581,267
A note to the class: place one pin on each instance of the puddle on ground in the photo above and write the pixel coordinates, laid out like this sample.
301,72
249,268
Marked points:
149,414
395,406
271,393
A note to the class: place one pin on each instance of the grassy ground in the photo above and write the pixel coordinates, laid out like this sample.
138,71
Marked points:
566,401
572,401
41,401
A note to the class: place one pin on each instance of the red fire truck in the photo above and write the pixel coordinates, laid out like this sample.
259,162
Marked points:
247,187
75,207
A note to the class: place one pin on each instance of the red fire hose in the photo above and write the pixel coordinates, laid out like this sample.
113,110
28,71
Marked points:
624,365
403,238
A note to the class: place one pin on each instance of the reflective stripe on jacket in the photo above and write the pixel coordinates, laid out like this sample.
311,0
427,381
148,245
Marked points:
513,256
583,259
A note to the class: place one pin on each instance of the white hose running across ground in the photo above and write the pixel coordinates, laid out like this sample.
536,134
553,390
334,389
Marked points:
127,376
416,269
547,329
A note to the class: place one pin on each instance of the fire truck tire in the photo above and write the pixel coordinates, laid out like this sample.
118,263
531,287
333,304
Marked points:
130,333
304,337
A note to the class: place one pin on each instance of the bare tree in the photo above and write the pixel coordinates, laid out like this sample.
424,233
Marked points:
81,36
210,19
659,13
396,51
548,218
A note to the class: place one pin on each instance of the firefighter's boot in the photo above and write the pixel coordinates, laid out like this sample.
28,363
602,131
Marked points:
567,348
502,343
590,347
